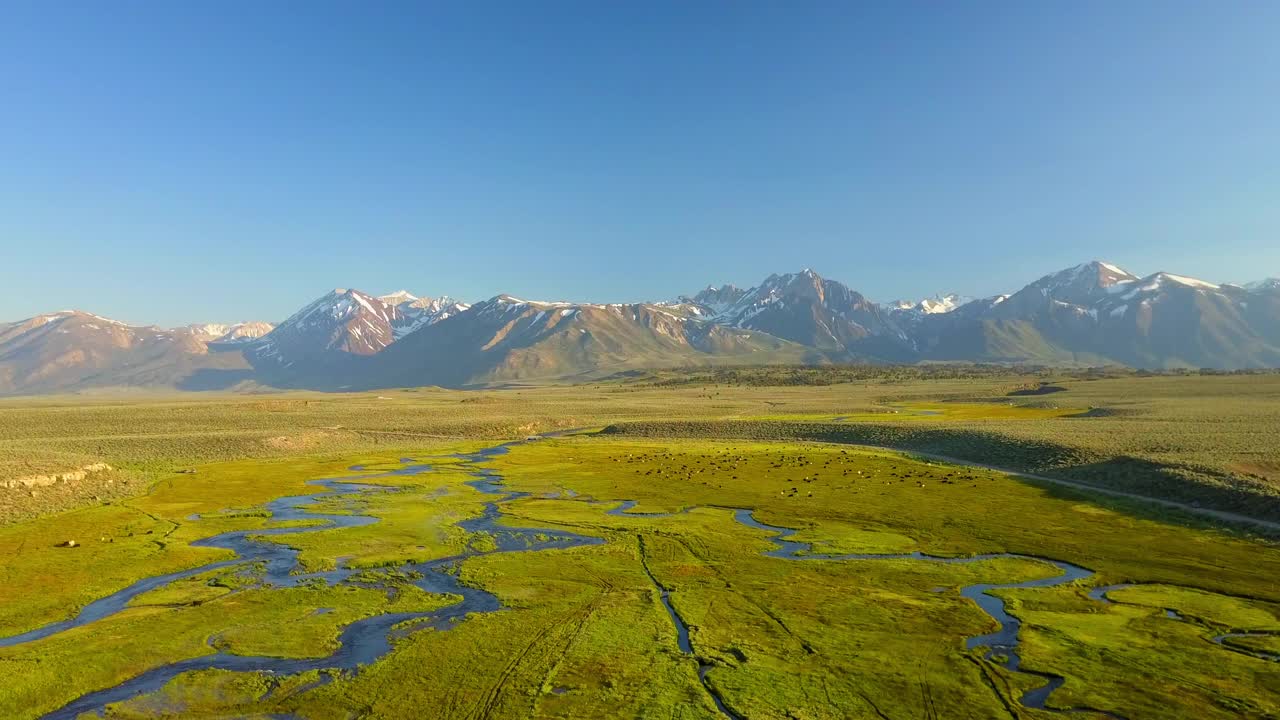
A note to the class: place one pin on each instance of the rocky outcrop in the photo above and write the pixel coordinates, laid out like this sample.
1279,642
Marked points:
33,481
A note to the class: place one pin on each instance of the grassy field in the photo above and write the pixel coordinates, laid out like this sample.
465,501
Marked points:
1208,439
583,631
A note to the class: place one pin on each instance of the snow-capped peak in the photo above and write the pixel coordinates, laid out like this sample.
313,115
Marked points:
344,321
208,330
244,332
366,318
78,313
1080,285
710,301
1160,280
423,311
1188,281
931,305
1096,272
398,297
63,316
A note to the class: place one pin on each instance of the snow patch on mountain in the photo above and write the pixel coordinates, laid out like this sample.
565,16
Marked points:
1183,280
422,311
66,314
933,305
1262,285
245,332
711,300
343,321
398,297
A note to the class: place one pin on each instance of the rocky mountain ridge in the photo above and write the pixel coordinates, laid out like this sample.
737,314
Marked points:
1093,313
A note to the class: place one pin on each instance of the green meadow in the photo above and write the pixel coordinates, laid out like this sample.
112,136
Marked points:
581,627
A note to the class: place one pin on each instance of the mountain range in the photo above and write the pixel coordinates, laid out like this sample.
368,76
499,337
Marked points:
1092,314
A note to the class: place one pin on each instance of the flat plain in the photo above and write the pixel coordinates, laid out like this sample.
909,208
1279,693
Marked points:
755,543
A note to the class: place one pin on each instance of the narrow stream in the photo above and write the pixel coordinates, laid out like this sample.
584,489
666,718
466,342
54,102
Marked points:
277,560
1002,644
361,642
1224,639
366,640
682,628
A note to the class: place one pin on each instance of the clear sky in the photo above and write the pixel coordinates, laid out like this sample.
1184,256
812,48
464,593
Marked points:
219,161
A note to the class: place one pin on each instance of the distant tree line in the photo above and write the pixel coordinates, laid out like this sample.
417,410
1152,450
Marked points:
782,375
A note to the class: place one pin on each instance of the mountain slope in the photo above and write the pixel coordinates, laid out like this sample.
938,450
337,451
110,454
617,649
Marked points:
1048,321
930,305
1099,313
1094,313
74,350
712,300
1167,320
823,314
228,336
508,339
415,312
323,343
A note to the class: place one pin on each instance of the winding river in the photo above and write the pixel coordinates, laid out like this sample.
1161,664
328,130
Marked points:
1002,645
364,641
1101,594
361,642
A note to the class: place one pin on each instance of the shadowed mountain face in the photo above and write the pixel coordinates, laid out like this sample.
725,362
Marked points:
822,314
1095,313
713,300
508,339
421,312
1098,313
344,321
322,344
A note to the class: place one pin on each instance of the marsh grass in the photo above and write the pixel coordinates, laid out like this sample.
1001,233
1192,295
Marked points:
1211,439
583,632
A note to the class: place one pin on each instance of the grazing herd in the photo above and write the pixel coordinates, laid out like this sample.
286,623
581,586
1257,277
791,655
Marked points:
796,472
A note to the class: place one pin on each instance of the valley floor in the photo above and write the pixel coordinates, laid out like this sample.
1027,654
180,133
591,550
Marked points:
744,561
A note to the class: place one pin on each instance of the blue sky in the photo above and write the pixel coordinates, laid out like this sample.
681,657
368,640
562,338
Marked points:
175,162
